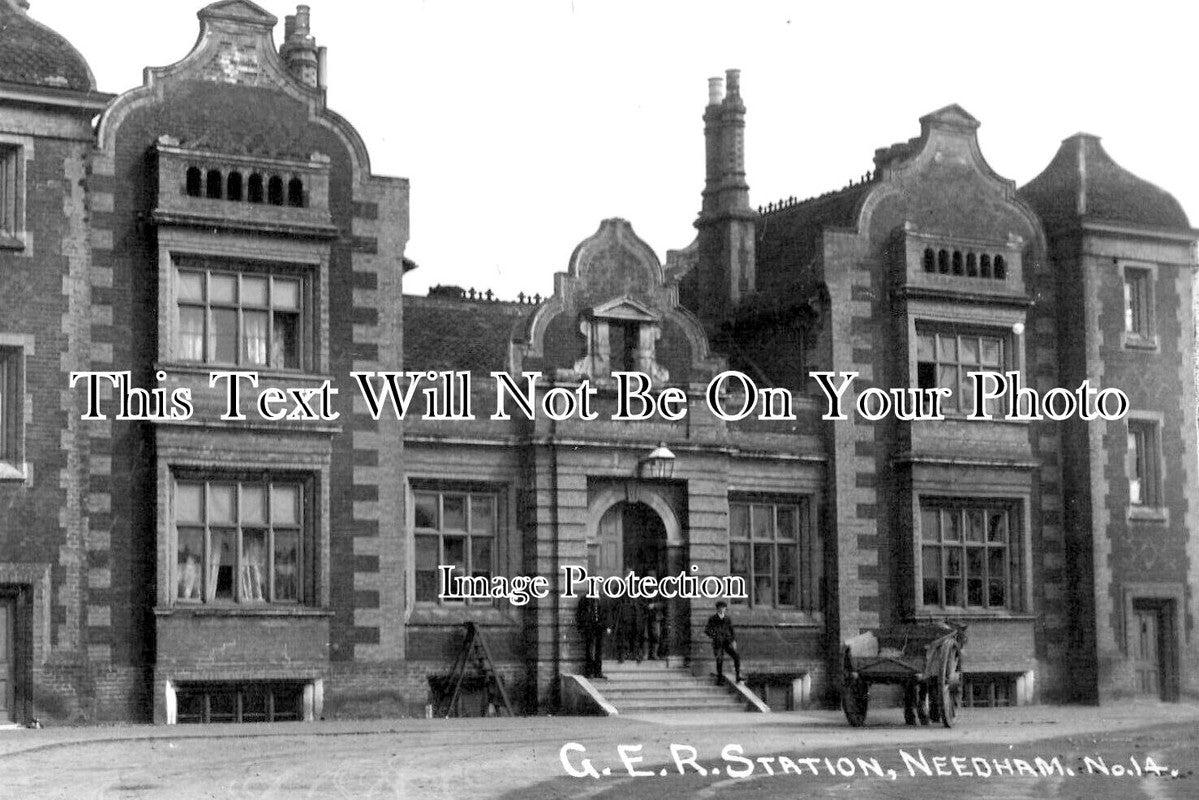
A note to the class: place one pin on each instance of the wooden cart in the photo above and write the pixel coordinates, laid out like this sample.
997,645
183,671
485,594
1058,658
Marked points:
924,658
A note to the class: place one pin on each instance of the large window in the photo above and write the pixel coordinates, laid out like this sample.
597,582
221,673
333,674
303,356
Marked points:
773,547
970,555
456,528
1144,478
946,356
253,319
240,540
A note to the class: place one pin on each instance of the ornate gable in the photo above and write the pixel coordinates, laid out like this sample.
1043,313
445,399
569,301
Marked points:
613,310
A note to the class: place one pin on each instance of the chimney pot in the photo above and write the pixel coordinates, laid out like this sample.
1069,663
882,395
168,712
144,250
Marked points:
715,91
302,20
289,26
733,80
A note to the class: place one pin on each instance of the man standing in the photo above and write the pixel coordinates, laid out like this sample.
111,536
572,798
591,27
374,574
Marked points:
629,627
593,624
720,630
653,628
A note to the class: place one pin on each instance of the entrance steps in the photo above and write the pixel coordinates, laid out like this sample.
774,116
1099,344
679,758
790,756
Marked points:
667,686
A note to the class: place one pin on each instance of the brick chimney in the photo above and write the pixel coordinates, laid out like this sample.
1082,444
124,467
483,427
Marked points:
726,224
304,60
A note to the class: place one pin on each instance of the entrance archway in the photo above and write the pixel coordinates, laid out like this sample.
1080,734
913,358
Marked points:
630,537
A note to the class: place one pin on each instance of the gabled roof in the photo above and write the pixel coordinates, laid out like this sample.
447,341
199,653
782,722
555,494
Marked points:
789,234
443,333
32,54
1082,181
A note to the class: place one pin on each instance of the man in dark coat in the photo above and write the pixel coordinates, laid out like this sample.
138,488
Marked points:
629,627
653,630
593,624
720,630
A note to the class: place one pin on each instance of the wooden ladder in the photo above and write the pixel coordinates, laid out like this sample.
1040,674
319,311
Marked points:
474,648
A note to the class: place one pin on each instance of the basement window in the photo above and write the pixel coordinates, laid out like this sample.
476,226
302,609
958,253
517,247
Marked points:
239,702
989,691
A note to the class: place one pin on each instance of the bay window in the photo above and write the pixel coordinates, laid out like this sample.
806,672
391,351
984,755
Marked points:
241,540
243,318
970,555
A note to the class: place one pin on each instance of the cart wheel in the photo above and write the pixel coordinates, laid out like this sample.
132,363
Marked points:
855,697
949,685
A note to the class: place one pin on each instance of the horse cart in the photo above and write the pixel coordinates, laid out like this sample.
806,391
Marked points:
924,658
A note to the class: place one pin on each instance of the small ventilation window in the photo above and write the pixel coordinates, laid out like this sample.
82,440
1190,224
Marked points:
274,191
984,266
957,262
930,260
255,189
971,266
194,181
214,184
1000,269
233,186
943,262
295,193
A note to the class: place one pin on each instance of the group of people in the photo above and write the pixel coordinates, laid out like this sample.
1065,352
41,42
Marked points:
639,629
637,625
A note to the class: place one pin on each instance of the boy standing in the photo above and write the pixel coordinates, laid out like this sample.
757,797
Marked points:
720,630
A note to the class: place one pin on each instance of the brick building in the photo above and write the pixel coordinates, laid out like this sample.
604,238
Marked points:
47,573
219,214
186,568
1068,547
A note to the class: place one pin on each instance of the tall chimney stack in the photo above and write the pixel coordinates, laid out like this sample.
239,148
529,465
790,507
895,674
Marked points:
299,51
726,224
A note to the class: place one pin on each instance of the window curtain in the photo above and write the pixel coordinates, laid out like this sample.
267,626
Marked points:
252,585
214,567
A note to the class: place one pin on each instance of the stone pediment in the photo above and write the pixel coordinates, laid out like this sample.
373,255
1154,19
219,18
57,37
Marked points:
239,11
951,115
624,308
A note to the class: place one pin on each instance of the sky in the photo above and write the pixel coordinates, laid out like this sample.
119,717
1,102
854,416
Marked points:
522,125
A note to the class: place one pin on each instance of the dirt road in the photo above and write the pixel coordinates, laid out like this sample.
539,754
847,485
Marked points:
808,754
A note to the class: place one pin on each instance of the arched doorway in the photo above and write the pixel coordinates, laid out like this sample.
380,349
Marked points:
630,537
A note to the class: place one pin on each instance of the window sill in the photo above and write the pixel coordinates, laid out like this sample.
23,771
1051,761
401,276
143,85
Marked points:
754,616
16,472
1158,514
1138,341
8,242
296,376
432,615
980,614
243,610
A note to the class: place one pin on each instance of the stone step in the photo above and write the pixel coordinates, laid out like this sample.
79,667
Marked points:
643,691
663,706
644,668
655,686
678,691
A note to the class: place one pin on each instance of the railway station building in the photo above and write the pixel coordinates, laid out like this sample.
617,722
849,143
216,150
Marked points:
182,567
